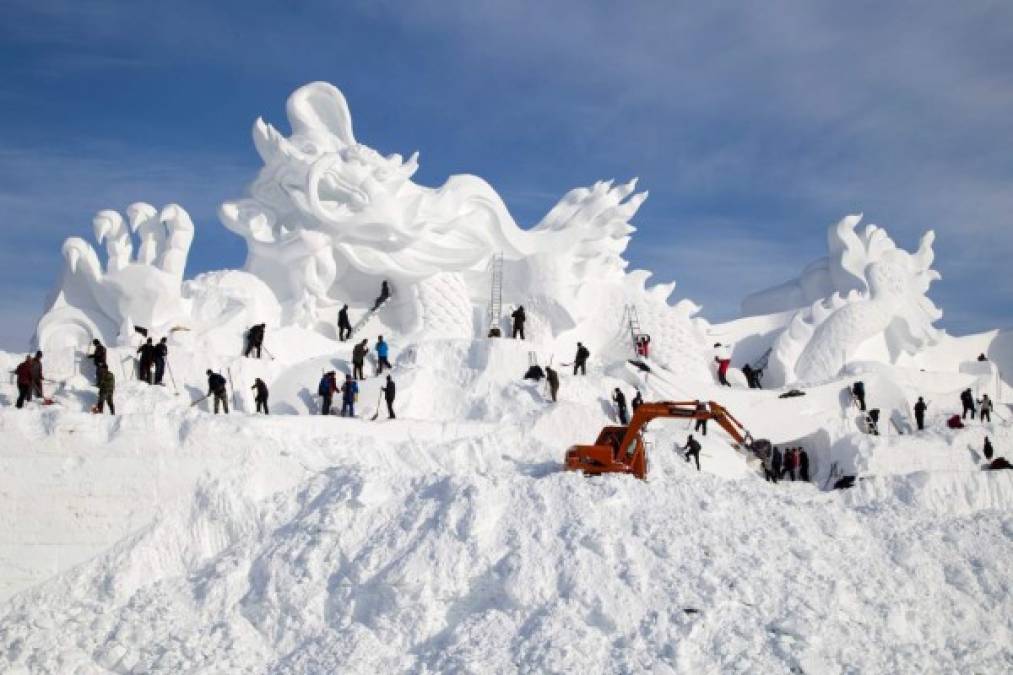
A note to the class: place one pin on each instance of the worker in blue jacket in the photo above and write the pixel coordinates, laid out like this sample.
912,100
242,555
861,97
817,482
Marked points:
382,349
349,394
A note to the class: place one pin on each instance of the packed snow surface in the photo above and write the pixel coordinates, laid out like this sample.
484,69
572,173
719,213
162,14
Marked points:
451,541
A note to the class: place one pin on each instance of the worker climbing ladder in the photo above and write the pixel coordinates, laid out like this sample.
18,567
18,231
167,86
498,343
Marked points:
631,320
364,319
496,290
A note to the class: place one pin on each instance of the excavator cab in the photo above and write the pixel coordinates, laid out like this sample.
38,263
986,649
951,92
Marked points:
615,451
621,449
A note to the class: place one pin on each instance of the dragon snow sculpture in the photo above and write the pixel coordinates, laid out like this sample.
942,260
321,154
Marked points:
328,218
867,298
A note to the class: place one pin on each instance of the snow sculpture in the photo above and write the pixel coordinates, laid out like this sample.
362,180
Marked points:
327,219
873,299
142,291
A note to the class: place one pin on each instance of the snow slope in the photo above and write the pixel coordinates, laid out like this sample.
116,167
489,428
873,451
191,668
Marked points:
450,541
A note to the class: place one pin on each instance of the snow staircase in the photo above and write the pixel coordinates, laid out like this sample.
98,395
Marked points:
496,290
631,319
364,319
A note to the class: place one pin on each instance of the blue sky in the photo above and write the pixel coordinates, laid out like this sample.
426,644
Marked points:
753,125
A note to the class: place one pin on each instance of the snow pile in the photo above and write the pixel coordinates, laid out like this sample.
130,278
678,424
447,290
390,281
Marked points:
450,539
411,547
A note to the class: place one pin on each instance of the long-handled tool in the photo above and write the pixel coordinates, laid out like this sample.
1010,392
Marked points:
377,413
266,351
232,389
205,396
168,366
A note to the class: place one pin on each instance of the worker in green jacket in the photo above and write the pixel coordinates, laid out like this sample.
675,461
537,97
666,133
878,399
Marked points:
106,388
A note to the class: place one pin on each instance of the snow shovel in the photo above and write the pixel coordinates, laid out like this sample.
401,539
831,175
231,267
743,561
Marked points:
199,400
377,413
269,354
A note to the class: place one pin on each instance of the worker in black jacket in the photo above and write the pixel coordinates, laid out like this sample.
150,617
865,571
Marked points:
519,318
147,352
620,401
216,388
580,360
692,449
344,325
261,396
920,408
388,396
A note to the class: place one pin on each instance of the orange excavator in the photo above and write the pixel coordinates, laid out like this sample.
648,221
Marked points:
621,449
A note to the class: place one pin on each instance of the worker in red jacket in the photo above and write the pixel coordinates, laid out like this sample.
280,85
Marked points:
723,370
24,375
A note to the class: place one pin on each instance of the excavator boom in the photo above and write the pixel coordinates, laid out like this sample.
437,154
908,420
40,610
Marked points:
621,449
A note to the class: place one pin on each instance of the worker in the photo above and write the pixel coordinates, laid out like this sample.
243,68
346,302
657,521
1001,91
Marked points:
692,449
37,376
519,318
216,388
384,295
637,401
359,358
98,356
788,463
620,401
920,407
982,357
23,374
701,417
255,339
147,352
382,350
775,463
858,392
967,400
988,448
326,390
552,378
580,360
260,398
768,465
954,422
872,422
803,465
106,389
388,396
997,464
344,325
747,371
723,370
161,357
984,406
644,345
349,394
